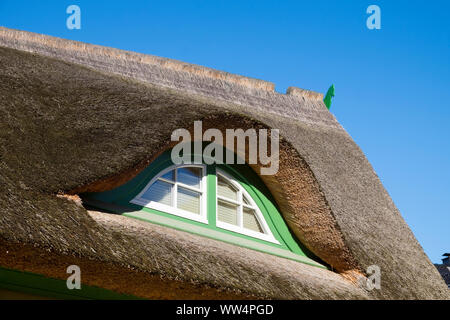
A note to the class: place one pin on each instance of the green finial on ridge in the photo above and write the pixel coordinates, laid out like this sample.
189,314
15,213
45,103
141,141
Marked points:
328,96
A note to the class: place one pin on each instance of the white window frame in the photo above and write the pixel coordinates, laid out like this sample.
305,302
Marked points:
172,209
266,236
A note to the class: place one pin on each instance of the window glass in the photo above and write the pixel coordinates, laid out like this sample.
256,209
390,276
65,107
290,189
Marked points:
235,207
159,191
169,175
250,220
190,176
225,189
227,212
188,200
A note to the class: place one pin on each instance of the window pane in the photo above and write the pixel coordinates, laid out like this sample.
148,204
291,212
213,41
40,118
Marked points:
246,200
250,221
225,189
159,191
169,175
188,200
190,176
227,212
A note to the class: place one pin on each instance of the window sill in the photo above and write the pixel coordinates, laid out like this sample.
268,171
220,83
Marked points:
170,210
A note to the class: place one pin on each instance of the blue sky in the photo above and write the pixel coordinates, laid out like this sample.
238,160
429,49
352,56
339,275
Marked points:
392,92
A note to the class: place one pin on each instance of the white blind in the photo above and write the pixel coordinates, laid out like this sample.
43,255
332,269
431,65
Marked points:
250,221
227,212
225,189
188,200
159,191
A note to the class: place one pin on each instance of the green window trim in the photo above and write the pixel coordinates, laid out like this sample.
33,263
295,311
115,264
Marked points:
124,200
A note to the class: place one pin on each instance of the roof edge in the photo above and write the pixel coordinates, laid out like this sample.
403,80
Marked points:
307,94
300,104
167,63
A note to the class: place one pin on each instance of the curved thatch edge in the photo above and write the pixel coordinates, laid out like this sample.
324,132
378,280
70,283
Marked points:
180,265
294,188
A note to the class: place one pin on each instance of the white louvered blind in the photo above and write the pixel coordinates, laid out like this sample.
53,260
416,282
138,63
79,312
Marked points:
234,206
188,200
226,189
227,212
159,191
250,221
181,188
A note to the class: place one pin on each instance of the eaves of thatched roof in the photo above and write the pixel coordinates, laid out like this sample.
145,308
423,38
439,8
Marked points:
77,117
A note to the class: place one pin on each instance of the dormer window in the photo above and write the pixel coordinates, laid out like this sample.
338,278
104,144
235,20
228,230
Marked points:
181,191
236,211
178,190
228,203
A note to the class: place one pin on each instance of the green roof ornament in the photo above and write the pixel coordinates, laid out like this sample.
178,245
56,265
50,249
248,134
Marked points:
328,96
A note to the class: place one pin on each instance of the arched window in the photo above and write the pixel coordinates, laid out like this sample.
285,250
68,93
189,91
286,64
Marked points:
178,190
181,191
223,202
236,210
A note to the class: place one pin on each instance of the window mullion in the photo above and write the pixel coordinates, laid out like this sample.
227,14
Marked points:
203,199
189,187
228,200
165,180
241,213
210,193
175,190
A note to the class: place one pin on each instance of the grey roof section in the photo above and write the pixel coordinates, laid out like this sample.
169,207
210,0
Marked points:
297,103
444,270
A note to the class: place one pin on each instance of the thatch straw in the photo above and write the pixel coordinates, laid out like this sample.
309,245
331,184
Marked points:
64,127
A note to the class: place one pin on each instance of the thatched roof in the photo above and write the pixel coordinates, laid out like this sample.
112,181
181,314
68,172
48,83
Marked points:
77,117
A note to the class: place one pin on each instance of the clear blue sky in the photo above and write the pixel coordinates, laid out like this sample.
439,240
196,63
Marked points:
392,85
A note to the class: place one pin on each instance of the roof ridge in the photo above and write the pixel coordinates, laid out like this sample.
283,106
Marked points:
301,104
8,35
